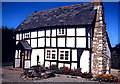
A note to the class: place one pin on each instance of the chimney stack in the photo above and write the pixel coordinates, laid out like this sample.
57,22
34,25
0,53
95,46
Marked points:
97,3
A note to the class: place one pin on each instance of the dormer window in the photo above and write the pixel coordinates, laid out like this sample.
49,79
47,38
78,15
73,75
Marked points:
61,31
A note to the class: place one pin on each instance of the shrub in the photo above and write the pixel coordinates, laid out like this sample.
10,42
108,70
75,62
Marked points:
107,78
53,67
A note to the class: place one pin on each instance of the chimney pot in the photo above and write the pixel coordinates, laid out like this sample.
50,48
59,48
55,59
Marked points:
35,11
97,2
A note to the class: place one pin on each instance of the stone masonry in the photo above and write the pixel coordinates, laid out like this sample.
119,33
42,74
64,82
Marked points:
101,61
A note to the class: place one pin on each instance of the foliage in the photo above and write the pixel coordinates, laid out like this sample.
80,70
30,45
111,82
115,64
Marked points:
8,44
107,78
53,67
76,72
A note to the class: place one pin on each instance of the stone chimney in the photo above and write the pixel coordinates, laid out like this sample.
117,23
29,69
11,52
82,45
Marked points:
97,2
99,47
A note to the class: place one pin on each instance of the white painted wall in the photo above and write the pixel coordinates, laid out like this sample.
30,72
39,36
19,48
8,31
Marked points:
84,61
70,32
70,42
27,64
48,42
47,64
53,32
80,31
41,42
53,42
33,42
60,65
16,42
53,63
17,36
33,34
35,53
61,42
41,33
73,65
48,33
16,53
81,42
74,54
17,62
67,65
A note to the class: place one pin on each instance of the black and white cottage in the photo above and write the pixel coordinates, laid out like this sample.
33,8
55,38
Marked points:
73,36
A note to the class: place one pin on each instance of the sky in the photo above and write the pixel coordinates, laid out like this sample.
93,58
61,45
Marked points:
14,13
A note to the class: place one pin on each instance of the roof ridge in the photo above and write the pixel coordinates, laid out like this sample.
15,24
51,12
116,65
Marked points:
64,7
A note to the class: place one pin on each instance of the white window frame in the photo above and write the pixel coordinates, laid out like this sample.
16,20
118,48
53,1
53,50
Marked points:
62,51
61,31
52,52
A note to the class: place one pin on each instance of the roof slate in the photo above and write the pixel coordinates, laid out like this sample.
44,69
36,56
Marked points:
24,44
80,14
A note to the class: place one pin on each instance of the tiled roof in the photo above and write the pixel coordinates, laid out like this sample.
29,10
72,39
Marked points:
80,14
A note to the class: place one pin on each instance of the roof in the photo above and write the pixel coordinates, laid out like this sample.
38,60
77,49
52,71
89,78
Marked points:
23,45
80,14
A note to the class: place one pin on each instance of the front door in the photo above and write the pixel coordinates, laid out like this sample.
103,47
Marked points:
22,59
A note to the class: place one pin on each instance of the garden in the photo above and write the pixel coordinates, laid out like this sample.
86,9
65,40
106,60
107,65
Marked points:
40,72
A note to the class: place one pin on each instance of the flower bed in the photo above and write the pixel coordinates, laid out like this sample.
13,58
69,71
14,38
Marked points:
76,72
44,72
38,72
106,78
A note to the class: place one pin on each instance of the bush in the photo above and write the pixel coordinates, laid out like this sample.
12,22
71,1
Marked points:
53,67
106,78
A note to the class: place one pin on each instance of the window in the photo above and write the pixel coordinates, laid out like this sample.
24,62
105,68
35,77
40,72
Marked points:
51,54
27,35
48,53
25,54
64,54
61,31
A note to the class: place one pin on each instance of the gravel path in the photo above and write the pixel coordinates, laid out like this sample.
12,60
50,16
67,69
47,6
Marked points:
63,79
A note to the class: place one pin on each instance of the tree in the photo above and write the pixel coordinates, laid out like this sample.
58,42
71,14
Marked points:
8,44
115,58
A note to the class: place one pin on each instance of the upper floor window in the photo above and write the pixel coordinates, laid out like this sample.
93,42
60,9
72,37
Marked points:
61,31
27,35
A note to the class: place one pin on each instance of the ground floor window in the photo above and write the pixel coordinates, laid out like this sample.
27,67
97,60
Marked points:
51,54
64,54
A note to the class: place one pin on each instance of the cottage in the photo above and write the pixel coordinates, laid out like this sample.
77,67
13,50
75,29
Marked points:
74,36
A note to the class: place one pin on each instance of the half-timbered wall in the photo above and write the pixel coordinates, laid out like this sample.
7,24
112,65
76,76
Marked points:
66,37
52,45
